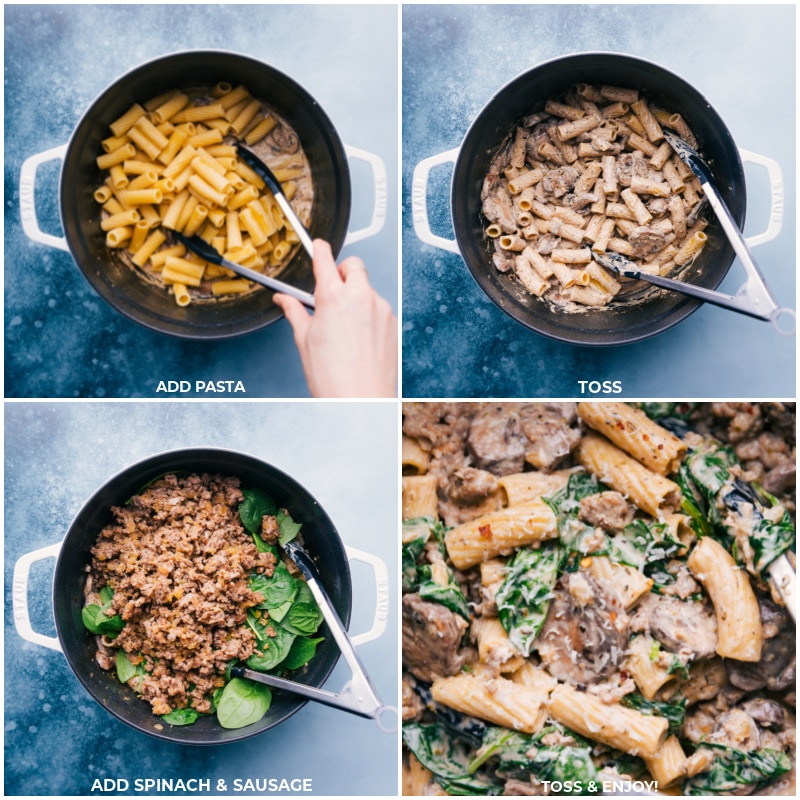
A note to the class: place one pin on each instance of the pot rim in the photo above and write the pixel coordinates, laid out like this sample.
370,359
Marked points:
252,320
173,733
683,305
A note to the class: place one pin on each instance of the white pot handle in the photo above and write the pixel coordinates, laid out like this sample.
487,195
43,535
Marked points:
382,598
419,201
27,203
22,620
381,194
776,197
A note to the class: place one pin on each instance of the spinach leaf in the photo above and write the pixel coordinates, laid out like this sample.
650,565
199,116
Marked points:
242,703
288,527
127,670
521,755
263,547
524,596
279,612
674,711
564,763
437,583
710,473
302,618
575,536
256,504
448,759
276,589
302,651
416,533
733,769
680,411
642,543
770,540
272,650
181,716
257,623
97,621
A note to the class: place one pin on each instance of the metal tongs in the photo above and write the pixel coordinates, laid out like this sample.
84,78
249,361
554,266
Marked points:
359,695
266,174
203,249
754,297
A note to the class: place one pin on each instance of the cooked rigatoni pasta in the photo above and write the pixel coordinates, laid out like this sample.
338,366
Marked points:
575,612
170,164
604,162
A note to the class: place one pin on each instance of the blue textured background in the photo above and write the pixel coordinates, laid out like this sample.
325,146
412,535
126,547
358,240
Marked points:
61,339
57,739
456,343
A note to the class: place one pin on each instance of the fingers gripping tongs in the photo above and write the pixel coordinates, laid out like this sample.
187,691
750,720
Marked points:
754,298
359,695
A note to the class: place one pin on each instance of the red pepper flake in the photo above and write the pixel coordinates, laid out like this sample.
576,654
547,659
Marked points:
645,437
661,447
485,530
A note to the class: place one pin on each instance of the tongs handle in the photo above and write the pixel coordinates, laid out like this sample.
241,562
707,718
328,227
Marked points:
754,298
306,565
360,696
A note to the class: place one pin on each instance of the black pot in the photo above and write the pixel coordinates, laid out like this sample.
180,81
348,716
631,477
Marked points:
622,321
117,283
320,538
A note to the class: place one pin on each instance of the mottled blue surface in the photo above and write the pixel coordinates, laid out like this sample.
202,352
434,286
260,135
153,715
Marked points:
456,342
57,739
62,340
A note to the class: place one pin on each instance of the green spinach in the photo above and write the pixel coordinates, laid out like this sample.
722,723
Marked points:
674,711
181,716
276,589
524,596
96,619
242,703
302,651
448,593
733,769
271,650
448,759
256,505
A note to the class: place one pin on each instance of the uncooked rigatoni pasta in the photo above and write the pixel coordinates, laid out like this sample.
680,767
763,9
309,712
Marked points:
170,164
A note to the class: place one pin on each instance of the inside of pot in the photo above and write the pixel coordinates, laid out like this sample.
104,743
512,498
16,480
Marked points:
644,310
109,273
320,539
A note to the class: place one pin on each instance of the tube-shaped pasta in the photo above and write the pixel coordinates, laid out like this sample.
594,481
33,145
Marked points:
646,489
614,725
637,434
494,647
413,456
739,632
419,496
521,487
232,286
500,532
648,675
668,764
497,700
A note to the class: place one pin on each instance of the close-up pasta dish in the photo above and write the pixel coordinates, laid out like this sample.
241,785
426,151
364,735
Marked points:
189,581
598,592
591,173
171,164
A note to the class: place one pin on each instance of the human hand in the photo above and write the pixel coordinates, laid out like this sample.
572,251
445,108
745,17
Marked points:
349,346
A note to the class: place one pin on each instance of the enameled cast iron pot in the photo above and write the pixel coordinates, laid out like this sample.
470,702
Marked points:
319,536
622,322
114,281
